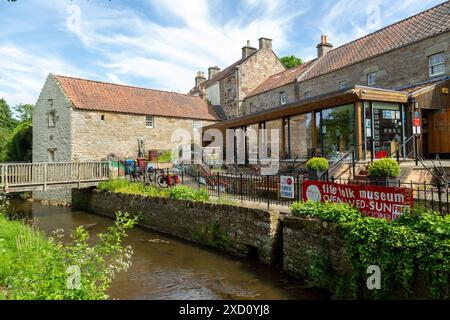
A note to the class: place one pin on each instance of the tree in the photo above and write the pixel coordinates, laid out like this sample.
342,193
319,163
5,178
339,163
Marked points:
19,143
291,61
25,112
6,119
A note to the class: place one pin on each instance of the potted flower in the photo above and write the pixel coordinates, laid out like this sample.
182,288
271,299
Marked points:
317,168
384,172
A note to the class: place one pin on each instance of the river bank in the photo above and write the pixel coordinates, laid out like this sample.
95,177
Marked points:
164,267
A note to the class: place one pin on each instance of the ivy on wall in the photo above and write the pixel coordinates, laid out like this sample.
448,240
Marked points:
417,246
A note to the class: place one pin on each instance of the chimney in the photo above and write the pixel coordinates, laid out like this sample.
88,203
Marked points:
199,78
265,43
212,71
247,50
324,46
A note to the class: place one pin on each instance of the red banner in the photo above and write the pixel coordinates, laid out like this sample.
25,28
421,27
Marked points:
374,201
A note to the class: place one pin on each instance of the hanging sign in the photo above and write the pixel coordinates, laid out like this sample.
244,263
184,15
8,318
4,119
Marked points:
374,201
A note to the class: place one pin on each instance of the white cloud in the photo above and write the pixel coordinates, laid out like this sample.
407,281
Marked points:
22,73
171,55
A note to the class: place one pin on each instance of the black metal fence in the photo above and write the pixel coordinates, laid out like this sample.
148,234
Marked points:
266,189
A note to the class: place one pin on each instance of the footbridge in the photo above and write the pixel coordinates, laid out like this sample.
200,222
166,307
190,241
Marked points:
22,177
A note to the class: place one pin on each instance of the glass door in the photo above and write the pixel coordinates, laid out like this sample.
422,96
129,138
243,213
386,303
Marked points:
384,127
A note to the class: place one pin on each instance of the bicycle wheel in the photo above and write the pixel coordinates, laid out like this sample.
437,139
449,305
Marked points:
161,181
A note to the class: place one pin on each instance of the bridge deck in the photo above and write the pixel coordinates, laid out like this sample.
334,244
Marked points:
21,177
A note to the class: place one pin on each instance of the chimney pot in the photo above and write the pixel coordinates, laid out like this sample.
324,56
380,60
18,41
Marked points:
324,46
199,78
247,50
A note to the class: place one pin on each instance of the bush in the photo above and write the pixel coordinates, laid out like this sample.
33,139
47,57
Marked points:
33,267
317,164
417,242
186,193
165,156
385,168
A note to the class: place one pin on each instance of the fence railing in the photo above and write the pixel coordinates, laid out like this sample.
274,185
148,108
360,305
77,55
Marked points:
29,175
266,189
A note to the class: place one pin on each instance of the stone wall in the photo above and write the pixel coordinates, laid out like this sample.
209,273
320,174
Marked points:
306,240
57,138
118,134
238,230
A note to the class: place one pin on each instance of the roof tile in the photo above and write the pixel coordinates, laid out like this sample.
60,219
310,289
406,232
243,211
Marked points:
102,96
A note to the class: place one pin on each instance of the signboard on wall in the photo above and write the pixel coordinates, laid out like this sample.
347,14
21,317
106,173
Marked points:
374,201
287,188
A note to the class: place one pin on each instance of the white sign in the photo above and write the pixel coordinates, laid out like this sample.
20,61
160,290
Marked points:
287,188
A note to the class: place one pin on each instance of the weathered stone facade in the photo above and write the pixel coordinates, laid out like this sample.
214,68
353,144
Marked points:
241,230
238,80
118,134
394,69
82,135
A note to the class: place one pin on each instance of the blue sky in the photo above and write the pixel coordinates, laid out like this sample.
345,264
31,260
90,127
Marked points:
161,44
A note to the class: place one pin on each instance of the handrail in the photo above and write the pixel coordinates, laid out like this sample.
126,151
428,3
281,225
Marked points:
398,148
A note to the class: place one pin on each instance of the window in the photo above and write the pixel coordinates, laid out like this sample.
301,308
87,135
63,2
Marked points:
308,95
437,64
103,117
52,119
371,79
197,124
149,121
343,85
283,97
51,155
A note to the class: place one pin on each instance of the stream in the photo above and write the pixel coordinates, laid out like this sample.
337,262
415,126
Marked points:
165,267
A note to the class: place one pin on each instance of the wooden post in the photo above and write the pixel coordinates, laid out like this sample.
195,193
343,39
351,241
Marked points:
79,176
6,177
45,177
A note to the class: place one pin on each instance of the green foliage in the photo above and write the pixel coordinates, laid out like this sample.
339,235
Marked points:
127,187
176,193
317,164
6,119
384,168
19,143
33,267
186,193
417,243
212,235
24,112
165,156
226,201
291,61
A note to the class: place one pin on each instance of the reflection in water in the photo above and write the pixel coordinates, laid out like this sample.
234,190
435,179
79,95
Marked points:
168,268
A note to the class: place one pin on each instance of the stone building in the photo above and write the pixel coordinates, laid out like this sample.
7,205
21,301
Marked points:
409,52
83,120
374,94
228,88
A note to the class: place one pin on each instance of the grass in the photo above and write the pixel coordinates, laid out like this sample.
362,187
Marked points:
176,193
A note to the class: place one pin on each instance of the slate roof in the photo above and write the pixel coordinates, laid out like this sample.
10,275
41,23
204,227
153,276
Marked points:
108,97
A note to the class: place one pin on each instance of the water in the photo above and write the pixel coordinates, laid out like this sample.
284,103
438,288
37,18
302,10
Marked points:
168,268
